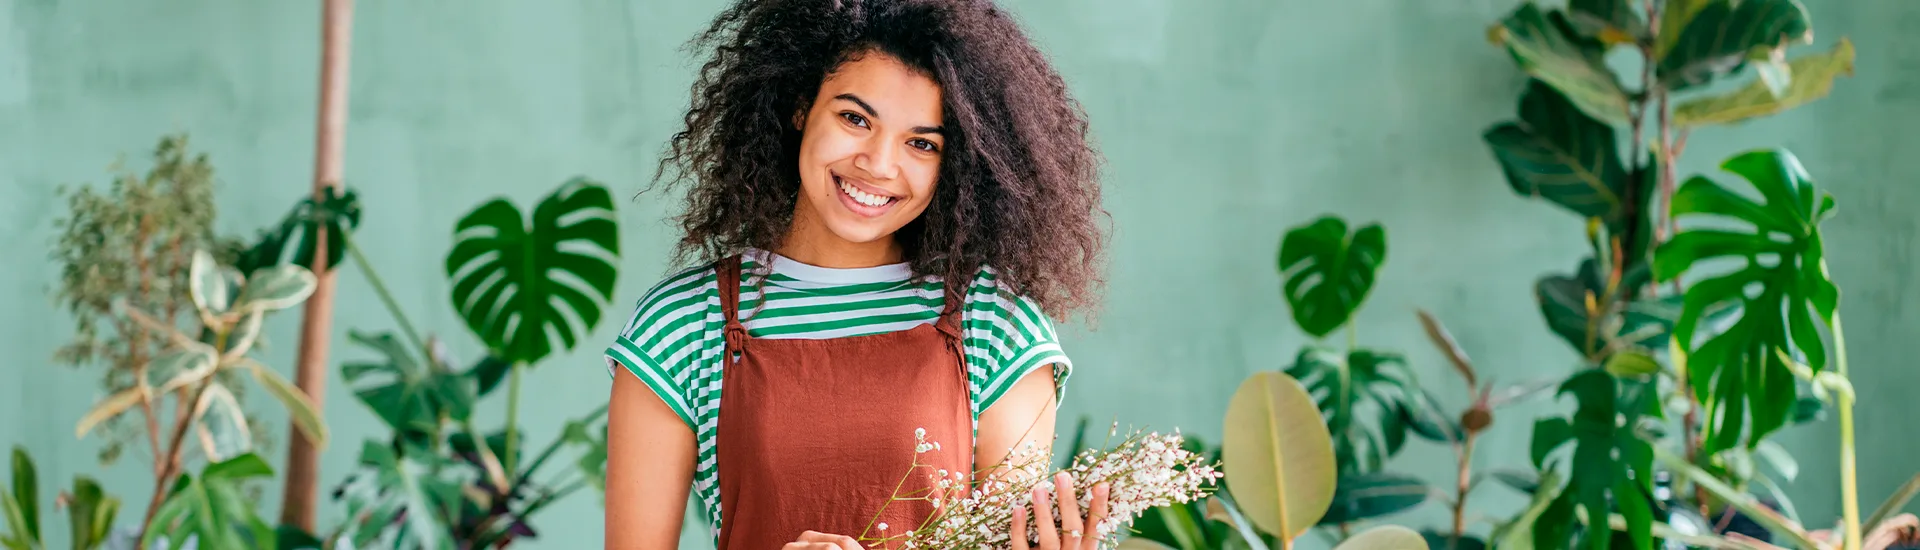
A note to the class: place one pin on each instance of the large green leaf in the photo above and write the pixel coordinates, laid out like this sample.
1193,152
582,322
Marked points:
1780,287
213,508
1674,16
294,240
1723,34
514,283
276,288
1546,46
1277,455
406,498
1813,77
1361,397
1330,271
1557,153
1372,495
408,395
1519,533
23,500
1611,468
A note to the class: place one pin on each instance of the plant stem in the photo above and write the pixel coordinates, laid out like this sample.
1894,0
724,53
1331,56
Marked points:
170,465
1460,500
386,298
513,416
1849,486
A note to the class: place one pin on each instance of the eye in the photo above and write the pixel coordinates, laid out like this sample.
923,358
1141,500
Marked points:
923,145
854,118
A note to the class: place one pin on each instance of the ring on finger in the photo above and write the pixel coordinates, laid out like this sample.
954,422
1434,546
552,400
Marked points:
1075,533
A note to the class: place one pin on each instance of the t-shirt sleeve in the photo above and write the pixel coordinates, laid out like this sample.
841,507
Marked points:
1020,340
660,344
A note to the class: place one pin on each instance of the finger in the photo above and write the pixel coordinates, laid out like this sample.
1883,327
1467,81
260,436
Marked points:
1019,534
824,541
1043,520
1069,511
1097,514
809,546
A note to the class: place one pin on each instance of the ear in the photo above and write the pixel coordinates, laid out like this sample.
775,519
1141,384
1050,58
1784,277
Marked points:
800,119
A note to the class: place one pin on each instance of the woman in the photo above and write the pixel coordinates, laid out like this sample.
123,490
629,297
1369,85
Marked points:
847,160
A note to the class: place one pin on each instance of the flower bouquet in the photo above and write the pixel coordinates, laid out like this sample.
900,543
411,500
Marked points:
1143,471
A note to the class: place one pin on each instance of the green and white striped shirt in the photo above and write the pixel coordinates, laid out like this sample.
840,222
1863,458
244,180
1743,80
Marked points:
676,336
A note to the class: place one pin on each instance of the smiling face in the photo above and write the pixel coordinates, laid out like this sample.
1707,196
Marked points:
869,157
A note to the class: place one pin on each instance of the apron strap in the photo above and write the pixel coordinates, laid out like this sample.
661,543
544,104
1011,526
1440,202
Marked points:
728,272
956,303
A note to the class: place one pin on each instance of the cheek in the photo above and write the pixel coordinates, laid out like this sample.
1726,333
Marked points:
925,179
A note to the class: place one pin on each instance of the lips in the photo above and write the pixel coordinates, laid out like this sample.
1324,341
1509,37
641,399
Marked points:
861,198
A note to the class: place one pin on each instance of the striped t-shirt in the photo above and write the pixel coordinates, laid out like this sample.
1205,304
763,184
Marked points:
676,336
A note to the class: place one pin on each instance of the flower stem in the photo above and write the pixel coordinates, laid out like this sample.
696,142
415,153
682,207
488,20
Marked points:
1849,486
513,416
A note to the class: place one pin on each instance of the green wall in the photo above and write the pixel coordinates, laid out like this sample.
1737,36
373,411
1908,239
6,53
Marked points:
1223,122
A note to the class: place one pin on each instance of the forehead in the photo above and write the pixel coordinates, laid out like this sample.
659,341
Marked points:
899,93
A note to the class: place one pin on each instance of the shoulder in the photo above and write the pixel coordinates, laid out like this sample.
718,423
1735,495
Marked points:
1010,337
682,293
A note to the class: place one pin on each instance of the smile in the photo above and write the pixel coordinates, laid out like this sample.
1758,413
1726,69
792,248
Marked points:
861,201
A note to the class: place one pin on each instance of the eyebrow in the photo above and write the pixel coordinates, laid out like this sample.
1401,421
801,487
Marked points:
875,114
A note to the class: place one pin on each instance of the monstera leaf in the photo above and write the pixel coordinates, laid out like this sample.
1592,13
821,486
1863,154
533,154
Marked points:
213,508
1277,455
410,396
400,499
1557,153
1722,35
1611,468
514,282
1367,399
1547,46
1779,286
1329,271
337,210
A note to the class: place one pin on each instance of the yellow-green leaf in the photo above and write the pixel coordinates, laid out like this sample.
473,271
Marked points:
1674,18
1813,77
1385,537
305,415
1278,455
108,408
1631,363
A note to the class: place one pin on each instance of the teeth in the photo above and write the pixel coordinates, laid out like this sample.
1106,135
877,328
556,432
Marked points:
863,197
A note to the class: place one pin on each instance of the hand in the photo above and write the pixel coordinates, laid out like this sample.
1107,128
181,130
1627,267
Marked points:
813,540
1074,533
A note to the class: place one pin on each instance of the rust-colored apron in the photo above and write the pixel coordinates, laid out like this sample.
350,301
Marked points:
818,434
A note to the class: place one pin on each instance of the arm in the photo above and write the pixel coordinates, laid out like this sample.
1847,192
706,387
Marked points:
650,460
1025,414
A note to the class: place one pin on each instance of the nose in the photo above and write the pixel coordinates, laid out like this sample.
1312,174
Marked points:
878,159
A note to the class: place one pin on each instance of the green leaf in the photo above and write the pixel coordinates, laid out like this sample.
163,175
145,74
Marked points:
1367,496
1546,46
1277,455
1439,541
26,496
1362,398
405,393
1174,526
1549,434
1723,34
1778,458
1738,376
221,424
181,367
276,288
1558,153
212,286
513,284
1739,500
338,210
1329,271
90,513
306,416
1525,481
1631,363
212,508
1385,537
1611,467
412,483
1519,534
488,372
1893,504
1609,21
1813,77
108,408
1563,302
1674,16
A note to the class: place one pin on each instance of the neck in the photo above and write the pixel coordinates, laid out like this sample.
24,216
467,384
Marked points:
811,243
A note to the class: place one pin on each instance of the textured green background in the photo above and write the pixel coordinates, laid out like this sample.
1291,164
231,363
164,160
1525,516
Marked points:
1223,121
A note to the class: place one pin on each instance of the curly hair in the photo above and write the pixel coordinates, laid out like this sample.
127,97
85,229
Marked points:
1018,187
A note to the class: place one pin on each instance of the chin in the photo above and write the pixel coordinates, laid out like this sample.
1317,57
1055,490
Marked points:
857,232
